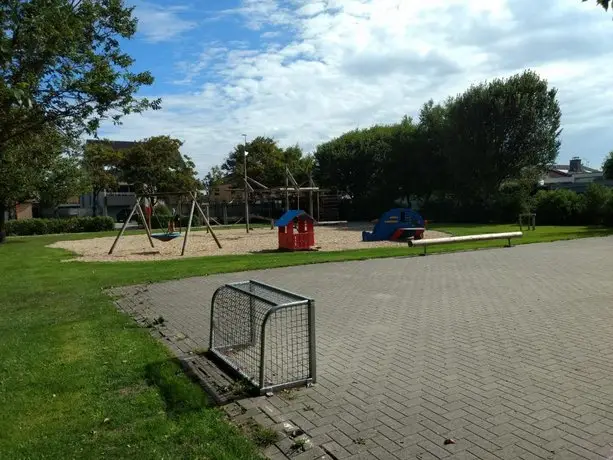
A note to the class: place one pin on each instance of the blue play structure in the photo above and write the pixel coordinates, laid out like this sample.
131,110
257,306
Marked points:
397,224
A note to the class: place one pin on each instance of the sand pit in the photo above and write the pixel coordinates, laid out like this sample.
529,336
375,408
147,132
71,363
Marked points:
233,241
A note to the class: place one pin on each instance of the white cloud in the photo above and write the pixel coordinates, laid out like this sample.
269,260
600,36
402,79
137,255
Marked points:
354,63
158,24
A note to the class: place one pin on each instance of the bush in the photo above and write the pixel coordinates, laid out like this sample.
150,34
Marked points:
597,199
559,207
162,210
51,226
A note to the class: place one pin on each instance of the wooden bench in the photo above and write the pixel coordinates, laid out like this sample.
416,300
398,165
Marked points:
458,239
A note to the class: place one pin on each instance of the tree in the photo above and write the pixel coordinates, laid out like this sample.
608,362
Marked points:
23,163
65,178
495,130
156,165
357,163
213,178
607,166
265,162
62,67
101,164
603,3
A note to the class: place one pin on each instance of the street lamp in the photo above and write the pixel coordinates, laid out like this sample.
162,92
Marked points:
246,184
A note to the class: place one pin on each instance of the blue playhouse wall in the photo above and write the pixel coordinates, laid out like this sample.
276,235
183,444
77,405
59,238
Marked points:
392,220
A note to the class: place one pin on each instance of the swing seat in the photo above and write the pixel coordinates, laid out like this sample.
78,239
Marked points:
164,237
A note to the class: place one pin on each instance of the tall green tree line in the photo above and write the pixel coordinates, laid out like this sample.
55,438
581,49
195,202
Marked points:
481,149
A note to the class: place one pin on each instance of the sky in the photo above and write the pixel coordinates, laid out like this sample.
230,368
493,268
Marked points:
306,71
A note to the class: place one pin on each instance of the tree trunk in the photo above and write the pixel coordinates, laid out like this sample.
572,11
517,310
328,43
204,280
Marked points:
95,202
2,224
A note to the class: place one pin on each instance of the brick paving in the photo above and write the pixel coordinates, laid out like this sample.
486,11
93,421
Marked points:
509,352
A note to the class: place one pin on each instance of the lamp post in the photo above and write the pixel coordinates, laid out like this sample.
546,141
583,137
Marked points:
246,184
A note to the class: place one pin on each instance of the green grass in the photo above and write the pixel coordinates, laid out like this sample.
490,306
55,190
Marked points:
80,380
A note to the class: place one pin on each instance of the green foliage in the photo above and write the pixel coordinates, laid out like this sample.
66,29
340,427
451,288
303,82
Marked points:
162,210
494,130
156,165
266,163
62,180
603,3
62,71
559,207
607,166
62,66
457,159
213,178
596,200
53,226
26,163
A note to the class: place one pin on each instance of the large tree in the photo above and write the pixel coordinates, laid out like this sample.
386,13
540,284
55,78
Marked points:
62,67
607,166
265,162
24,164
156,165
604,3
62,180
495,130
101,163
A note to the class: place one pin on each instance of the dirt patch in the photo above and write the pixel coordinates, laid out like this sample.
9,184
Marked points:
233,241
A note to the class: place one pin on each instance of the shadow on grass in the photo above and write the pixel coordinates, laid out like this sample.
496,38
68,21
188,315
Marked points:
176,389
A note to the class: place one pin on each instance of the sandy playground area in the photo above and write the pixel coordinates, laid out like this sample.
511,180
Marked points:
201,243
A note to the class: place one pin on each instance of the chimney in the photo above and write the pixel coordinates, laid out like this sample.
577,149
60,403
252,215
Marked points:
575,165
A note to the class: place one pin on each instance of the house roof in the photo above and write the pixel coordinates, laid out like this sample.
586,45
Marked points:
290,215
566,169
115,145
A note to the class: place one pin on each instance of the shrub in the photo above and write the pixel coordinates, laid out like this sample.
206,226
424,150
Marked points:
51,226
559,207
162,210
597,199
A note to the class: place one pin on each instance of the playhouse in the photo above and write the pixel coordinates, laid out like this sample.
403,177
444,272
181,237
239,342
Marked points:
304,236
397,224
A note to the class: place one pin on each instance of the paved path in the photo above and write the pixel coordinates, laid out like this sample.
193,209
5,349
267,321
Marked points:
507,351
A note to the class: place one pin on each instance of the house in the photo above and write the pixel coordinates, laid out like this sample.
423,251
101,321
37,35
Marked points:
225,193
573,176
20,211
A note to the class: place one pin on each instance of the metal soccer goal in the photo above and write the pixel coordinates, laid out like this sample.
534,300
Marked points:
265,334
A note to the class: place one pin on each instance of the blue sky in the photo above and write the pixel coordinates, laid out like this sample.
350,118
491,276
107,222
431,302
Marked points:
304,71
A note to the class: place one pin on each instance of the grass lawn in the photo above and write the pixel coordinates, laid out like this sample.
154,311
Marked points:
80,380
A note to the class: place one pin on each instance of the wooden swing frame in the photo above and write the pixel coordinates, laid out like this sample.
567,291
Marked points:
137,208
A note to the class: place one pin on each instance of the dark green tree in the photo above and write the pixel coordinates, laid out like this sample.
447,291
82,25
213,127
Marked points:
213,178
495,130
607,166
156,166
101,164
603,3
265,162
24,163
63,179
62,68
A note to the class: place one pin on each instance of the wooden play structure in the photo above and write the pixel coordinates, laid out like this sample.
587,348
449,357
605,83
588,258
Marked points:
171,232
303,223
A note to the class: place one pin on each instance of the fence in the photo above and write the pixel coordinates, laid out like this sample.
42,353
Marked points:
265,334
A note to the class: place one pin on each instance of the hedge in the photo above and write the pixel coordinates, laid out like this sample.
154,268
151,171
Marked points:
50,226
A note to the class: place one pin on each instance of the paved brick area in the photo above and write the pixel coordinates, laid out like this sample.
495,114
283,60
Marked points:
509,352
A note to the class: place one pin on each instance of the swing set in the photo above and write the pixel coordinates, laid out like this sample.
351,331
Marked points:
171,232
